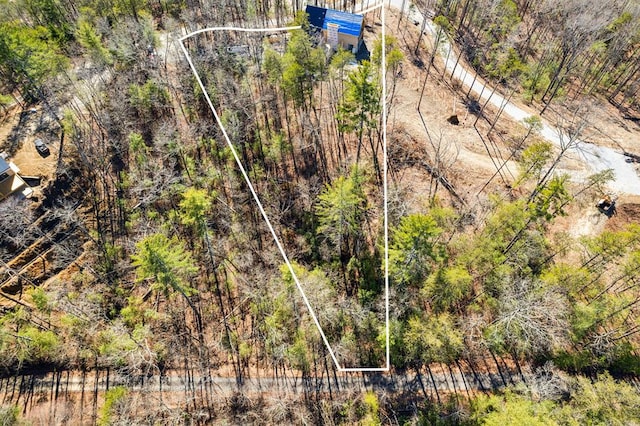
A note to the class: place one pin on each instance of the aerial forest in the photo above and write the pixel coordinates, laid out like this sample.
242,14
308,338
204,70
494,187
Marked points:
234,218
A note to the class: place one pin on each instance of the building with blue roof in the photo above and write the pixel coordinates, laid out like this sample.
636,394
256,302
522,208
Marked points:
338,28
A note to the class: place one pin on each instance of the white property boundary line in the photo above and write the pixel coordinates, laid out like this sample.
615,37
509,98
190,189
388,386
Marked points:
263,212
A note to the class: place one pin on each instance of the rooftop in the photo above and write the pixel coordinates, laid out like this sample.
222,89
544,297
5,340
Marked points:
4,166
348,23
12,182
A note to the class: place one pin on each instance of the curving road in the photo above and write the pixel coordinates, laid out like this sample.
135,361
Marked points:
595,158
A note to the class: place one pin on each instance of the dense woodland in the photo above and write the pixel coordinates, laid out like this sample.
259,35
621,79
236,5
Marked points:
171,266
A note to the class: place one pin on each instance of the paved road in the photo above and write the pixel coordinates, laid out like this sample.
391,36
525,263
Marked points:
596,158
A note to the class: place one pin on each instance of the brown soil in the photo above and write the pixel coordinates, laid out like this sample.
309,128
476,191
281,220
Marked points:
31,163
17,138
464,155
584,219
7,122
627,212
474,158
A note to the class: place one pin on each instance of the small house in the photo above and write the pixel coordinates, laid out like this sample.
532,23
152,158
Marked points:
338,28
10,180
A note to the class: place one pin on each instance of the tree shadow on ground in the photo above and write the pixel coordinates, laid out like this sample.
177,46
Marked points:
18,133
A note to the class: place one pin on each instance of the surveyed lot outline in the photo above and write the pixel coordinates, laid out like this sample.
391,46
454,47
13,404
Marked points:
264,213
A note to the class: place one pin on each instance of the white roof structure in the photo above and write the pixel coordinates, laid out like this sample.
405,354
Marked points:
10,180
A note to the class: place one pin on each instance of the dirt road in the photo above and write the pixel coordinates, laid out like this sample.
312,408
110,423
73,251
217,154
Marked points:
439,378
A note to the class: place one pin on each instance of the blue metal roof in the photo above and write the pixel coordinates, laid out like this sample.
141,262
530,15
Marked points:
348,23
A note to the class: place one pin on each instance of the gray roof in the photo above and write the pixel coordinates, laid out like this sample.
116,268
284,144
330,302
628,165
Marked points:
4,166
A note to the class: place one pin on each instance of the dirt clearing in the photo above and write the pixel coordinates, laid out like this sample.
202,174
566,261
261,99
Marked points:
18,131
